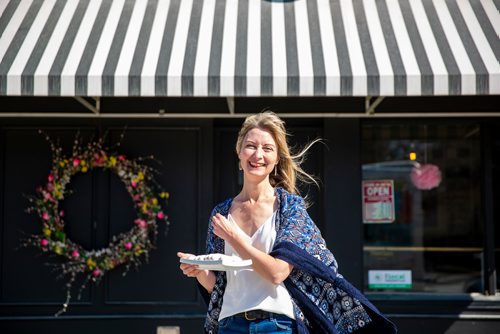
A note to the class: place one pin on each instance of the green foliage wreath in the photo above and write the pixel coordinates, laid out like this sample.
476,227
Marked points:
131,247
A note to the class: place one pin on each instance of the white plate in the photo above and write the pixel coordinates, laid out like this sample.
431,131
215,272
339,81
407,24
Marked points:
222,264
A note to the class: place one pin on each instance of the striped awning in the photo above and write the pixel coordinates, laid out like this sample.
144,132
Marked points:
249,47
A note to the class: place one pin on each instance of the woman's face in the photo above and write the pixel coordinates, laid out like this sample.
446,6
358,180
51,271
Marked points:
259,153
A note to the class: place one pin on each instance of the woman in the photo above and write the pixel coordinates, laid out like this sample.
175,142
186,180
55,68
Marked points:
294,286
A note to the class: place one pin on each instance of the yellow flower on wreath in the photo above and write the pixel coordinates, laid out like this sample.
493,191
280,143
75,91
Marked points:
145,207
58,249
112,161
138,250
91,263
109,264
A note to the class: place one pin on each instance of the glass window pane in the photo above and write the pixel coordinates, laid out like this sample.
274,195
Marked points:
421,207
496,198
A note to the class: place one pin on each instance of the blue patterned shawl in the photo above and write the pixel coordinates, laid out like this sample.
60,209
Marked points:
324,302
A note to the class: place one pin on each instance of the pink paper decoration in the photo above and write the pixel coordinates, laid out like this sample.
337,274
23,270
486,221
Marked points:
426,177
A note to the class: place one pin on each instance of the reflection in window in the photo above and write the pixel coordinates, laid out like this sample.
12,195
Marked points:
429,176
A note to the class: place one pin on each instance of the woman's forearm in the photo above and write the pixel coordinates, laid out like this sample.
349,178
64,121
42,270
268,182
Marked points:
207,279
270,268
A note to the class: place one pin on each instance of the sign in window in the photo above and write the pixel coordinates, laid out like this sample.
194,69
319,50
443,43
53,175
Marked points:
389,279
378,201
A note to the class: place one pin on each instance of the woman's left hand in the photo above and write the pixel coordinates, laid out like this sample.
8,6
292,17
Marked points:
272,269
223,228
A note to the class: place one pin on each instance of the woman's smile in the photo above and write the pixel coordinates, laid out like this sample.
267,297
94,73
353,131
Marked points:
256,164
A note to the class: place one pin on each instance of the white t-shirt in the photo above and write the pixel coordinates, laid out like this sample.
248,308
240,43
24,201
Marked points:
246,290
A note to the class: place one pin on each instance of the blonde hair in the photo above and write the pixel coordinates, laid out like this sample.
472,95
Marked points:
288,170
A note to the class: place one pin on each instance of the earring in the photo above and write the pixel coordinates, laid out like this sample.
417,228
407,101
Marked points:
276,170
239,165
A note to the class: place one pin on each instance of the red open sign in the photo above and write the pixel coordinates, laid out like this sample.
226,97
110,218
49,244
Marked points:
378,201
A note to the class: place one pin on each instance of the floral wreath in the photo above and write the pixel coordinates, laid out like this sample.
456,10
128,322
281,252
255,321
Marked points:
131,247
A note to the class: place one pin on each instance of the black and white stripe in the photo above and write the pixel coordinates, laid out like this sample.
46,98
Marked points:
249,47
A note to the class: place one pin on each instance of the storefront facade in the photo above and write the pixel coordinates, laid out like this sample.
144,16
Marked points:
405,95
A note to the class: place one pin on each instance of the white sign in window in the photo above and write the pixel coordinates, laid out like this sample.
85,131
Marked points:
389,279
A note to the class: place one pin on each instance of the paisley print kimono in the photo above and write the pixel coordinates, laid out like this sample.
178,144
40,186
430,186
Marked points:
324,302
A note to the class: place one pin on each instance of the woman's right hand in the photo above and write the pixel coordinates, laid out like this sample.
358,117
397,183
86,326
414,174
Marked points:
205,277
190,270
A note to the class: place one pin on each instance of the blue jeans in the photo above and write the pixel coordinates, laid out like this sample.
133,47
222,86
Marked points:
275,324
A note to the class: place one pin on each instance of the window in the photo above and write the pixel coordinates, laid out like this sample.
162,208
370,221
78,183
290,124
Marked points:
496,197
421,207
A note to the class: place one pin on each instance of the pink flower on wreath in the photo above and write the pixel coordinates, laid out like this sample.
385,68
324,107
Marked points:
98,160
44,242
76,162
160,215
75,254
425,177
47,196
128,246
133,184
61,213
140,222
45,216
50,177
121,157
137,198
96,273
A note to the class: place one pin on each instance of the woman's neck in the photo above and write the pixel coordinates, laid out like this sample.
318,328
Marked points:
254,192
